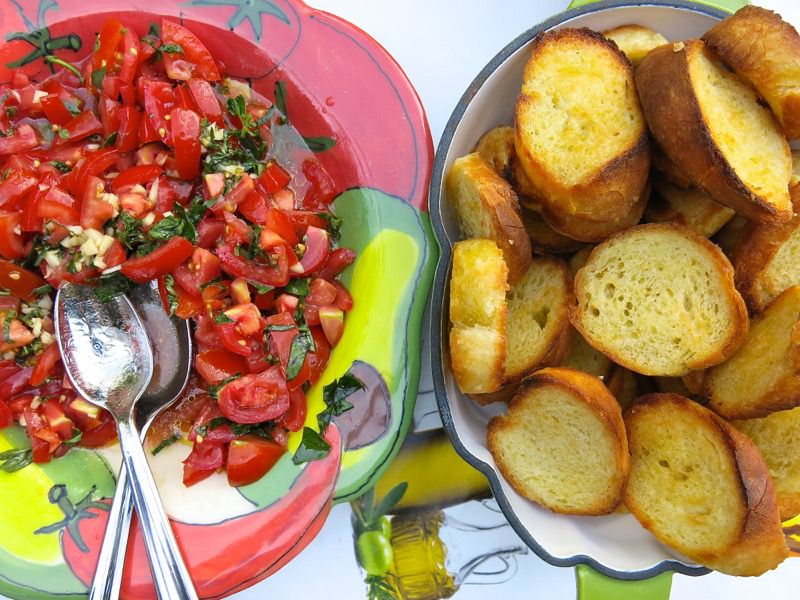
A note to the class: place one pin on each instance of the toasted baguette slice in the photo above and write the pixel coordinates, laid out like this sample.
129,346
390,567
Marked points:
727,143
487,207
635,40
690,207
496,147
659,299
721,513
729,236
764,50
579,259
563,443
538,318
478,314
580,135
668,169
544,238
764,375
771,435
623,385
589,230
767,261
582,357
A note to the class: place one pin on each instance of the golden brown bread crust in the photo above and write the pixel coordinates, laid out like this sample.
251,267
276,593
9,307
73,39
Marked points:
589,230
754,251
662,163
686,206
739,322
611,192
544,238
504,394
593,393
761,545
668,98
500,204
764,50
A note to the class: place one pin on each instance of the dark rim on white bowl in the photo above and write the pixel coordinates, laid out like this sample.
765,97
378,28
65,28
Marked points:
443,268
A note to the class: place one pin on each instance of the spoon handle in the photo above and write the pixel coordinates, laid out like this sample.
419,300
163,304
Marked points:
111,562
170,576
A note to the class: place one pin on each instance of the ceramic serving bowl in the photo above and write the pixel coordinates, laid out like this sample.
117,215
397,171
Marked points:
615,545
340,84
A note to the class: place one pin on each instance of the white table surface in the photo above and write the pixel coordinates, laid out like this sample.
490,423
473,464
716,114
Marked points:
441,45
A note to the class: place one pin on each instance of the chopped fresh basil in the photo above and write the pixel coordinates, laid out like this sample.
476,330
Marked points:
165,443
71,106
112,285
260,287
298,287
280,327
165,229
11,111
98,76
334,394
77,434
302,343
63,134
221,318
15,459
214,390
110,140
280,98
334,224
5,292
61,166
8,318
320,143
213,282
68,66
170,49
172,296
312,447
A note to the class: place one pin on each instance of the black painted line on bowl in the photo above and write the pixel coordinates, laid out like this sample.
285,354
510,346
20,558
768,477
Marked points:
443,267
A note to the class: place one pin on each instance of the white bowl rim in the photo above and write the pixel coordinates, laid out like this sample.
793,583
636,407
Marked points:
443,268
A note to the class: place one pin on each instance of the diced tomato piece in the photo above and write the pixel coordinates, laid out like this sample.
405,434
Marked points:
17,335
295,417
274,177
93,165
250,458
215,365
286,303
322,191
209,231
141,174
128,134
200,269
101,435
14,188
254,208
55,110
81,127
6,416
59,206
15,383
240,291
322,293
206,100
94,210
45,364
44,440
21,282
332,321
56,419
22,140
109,115
236,230
201,64
160,261
239,192
240,329
158,101
338,261
317,249
108,41
215,183
255,398
131,52
189,305
282,225
12,244
186,138
202,462
275,275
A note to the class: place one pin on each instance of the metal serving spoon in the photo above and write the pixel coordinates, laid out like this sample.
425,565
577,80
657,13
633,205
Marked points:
109,360
172,347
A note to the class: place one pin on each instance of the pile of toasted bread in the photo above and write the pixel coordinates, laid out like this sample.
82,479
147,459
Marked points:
629,283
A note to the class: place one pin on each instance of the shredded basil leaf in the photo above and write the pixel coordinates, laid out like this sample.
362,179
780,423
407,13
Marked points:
302,343
112,285
214,390
165,443
61,166
110,140
98,76
171,48
172,296
298,287
312,447
260,287
221,318
7,319
320,143
63,134
280,99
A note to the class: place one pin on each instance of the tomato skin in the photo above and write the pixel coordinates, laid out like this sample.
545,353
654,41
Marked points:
128,134
186,137
206,100
200,269
109,115
215,365
255,398
115,255
93,165
209,230
22,140
81,127
6,416
278,222
204,459
238,194
14,189
45,365
250,458
59,206
18,334
160,261
109,38
295,416
338,261
274,177
23,282
194,52
141,174
254,208
158,98
15,383
236,266
55,110
94,211
12,244
322,192
131,51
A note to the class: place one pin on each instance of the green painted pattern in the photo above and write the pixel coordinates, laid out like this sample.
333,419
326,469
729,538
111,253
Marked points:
596,586
31,564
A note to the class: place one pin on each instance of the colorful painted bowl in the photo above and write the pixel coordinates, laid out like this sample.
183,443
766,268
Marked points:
340,84
615,545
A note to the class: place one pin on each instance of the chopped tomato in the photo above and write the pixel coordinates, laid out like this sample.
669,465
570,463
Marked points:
200,269
43,440
255,398
45,364
186,137
206,100
94,210
23,139
254,208
203,461
108,41
238,194
332,320
55,110
57,420
322,192
316,242
250,458
16,336
240,328
12,244
294,418
82,126
14,188
141,174
128,134
338,261
160,261
276,275
57,205
274,177
20,282
197,58
215,365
